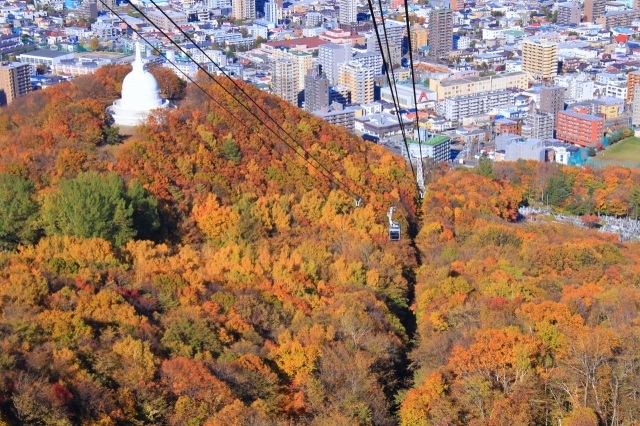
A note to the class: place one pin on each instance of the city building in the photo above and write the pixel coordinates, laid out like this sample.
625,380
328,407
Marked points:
504,125
382,125
105,5
425,97
348,11
88,10
271,12
446,88
569,13
419,38
244,9
540,58
456,108
457,5
358,79
339,115
622,18
633,78
158,18
140,95
369,59
538,126
552,100
580,129
46,58
440,26
593,9
14,81
635,118
330,56
316,90
437,147
284,80
339,94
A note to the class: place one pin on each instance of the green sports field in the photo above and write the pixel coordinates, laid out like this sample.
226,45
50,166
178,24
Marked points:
625,150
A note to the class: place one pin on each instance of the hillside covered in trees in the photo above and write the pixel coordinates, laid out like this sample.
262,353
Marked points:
201,273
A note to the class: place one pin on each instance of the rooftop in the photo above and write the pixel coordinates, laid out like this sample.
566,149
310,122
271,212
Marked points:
431,141
46,53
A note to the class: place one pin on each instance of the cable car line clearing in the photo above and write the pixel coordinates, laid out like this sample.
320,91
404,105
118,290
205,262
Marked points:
413,83
388,73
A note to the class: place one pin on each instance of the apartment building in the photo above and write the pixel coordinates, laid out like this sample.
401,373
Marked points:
358,79
635,106
440,40
158,18
339,115
419,38
569,13
456,108
369,59
633,78
330,56
271,12
593,9
284,79
580,129
447,88
244,9
15,81
437,147
538,126
316,90
348,11
622,18
552,100
540,58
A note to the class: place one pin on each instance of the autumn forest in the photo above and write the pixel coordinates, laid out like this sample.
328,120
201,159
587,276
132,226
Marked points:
201,272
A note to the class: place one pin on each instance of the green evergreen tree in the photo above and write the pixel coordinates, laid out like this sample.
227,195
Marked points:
558,190
484,167
95,205
18,211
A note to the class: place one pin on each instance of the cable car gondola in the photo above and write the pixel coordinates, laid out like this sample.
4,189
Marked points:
394,227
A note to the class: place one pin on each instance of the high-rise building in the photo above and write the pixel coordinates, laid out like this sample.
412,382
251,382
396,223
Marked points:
440,33
552,100
538,126
358,79
348,11
104,5
244,9
619,18
271,12
370,59
593,9
88,10
635,106
15,81
569,13
419,38
330,56
284,79
540,58
580,129
304,62
456,5
633,78
316,90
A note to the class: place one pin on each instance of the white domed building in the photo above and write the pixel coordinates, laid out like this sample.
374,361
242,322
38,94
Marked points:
140,95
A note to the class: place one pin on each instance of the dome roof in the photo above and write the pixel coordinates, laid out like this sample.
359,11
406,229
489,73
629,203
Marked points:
140,95
140,90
